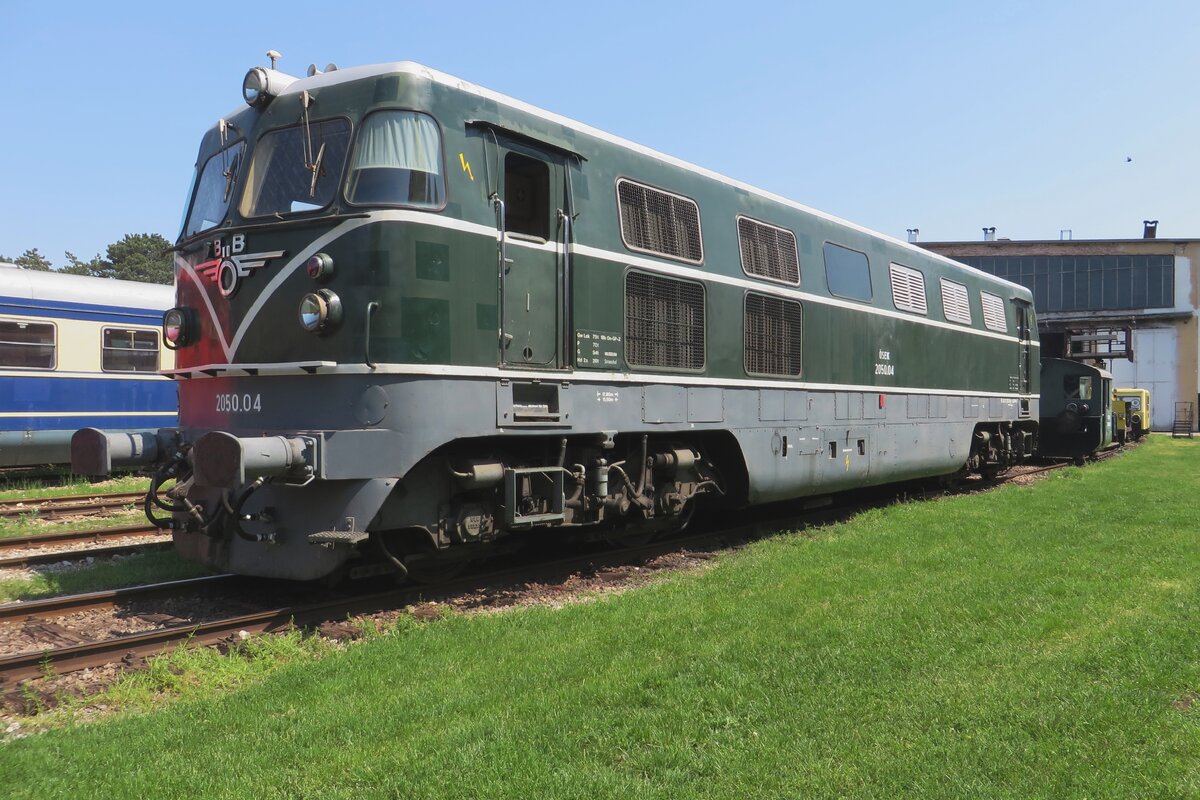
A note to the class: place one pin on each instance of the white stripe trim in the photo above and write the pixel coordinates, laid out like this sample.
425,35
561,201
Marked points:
579,376
440,221
44,414
692,273
108,376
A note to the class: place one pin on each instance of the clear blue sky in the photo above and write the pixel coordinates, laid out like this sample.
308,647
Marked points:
947,116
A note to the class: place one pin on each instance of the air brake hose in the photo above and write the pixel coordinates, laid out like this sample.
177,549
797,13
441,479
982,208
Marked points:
238,517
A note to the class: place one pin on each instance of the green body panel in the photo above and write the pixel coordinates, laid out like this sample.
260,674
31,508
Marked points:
438,289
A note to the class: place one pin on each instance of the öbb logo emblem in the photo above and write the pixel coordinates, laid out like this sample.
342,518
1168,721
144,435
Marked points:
229,264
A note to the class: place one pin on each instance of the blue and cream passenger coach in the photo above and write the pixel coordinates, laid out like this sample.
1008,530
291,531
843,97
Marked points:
74,351
415,316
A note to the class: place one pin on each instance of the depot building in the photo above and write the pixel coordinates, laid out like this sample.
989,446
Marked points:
1131,303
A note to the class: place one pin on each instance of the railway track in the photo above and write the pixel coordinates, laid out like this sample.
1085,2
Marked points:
131,648
51,507
44,548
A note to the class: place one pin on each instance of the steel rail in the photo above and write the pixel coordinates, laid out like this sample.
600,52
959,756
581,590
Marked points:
68,504
70,603
55,556
75,537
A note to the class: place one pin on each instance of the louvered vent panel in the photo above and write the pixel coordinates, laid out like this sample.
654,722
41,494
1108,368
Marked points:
658,222
773,335
993,312
955,303
768,252
908,289
664,322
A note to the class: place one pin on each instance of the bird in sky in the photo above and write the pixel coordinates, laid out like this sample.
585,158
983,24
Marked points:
1128,159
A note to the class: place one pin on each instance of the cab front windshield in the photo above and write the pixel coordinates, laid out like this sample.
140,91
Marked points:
296,169
215,184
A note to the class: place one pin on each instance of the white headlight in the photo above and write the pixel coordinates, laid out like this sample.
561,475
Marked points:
320,311
261,84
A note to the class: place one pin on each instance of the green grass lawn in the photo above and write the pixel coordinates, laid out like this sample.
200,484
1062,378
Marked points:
31,489
1035,641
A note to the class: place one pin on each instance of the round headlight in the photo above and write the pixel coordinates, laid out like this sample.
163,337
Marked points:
254,86
320,311
319,267
179,328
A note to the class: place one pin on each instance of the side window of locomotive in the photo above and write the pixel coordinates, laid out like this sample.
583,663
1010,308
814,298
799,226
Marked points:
1077,387
664,322
654,221
994,318
908,289
397,162
213,189
955,303
124,350
27,345
772,336
768,251
848,272
526,196
296,169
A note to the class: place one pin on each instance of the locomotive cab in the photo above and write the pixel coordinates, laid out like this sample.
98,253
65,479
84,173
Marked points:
1137,411
1076,410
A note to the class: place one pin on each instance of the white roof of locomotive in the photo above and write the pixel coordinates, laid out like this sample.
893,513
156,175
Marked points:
16,282
344,75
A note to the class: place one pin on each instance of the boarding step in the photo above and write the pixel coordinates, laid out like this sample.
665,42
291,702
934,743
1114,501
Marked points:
1185,417
335,538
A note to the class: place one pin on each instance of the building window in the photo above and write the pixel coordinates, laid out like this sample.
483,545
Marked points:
27,345
847,272
654,221
908,289
129,351
1087,283
994,318
664,322
772,338
768,252
955,305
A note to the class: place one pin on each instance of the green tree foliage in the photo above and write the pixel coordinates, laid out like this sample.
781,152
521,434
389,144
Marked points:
137,257
30,259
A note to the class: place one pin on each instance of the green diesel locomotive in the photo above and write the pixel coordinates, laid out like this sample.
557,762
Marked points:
416,317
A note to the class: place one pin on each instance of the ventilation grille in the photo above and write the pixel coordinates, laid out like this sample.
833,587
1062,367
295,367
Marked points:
772,336
657,222
664,322
768,252
908,289
993,312
955,303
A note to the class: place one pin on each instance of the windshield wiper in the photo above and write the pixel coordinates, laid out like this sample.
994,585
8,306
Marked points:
316,171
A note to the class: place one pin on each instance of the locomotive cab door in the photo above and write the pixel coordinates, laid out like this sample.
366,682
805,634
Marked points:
1025,356
530,202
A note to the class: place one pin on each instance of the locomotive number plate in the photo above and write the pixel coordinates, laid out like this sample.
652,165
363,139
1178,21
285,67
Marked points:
232,401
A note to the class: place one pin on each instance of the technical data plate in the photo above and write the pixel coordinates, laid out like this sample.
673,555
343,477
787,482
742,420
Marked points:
597,350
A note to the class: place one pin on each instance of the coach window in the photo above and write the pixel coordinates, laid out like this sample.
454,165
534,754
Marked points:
296,169
27,345
129,351
847,272
397,162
